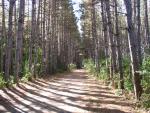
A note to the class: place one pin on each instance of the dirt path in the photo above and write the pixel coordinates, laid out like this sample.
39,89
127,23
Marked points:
72,93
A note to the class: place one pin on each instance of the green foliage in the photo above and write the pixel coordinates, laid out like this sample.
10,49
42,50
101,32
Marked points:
146,80
127,74
26,72
2,82
11,80
103,74
146,64
119,92
145,98
126,65
38,69
128,83
90,67
71,67
39,62
146,74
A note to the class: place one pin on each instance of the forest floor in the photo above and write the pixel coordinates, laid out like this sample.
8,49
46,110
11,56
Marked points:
73,92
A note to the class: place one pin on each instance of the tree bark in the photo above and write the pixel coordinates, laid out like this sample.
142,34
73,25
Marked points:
105,30
94,35
147,23
113,67
19,40
31,39
133,53
3,38
121,74
139,31
9,41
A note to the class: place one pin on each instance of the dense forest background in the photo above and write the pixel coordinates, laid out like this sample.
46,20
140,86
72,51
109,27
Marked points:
37,38
116,41
41,37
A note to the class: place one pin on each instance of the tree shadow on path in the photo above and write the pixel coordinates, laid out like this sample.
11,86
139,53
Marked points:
72,93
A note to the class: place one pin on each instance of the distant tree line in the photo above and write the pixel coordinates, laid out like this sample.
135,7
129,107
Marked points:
37,37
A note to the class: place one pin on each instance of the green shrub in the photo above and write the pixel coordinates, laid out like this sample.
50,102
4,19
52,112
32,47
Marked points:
128,83
103,74
146,64
127,74
11,80
145,98
126,66
38,69
146,74
91,68
2,82
71,67
26,72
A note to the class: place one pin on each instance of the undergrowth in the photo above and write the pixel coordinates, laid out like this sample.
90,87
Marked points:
2,82
128,85
145,98
27,75
71,67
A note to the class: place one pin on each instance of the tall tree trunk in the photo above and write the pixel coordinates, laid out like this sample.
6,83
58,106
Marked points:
9,41
94,35
48,39
105,30
31,40
44,40
19,40
118,47
111,41
147,23
3,39
139,31
133,53
37,40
